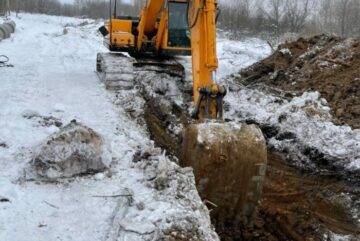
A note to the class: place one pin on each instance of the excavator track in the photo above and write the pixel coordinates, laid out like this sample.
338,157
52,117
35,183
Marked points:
117,71
168,66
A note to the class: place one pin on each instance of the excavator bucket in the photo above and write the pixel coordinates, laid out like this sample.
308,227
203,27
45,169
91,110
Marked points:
229,162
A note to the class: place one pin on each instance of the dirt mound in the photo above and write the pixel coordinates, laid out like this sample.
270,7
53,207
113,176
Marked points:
327,64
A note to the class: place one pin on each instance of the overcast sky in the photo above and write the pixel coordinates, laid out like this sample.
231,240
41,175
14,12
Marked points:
66,1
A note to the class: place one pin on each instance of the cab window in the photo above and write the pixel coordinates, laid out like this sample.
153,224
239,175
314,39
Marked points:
179,33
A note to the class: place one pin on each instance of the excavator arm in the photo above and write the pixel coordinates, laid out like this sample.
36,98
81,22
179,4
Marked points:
208,95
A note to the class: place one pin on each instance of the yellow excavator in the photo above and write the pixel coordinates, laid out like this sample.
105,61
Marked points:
229,159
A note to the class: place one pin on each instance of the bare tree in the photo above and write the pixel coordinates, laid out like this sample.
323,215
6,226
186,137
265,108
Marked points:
340,17
354,19
275,14
235,15
267,18
343,6
296,14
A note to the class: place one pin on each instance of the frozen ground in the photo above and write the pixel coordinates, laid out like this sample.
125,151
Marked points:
304,127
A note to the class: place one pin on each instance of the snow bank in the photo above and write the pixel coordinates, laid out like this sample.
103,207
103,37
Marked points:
303,127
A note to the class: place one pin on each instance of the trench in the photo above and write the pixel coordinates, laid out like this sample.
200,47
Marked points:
295,205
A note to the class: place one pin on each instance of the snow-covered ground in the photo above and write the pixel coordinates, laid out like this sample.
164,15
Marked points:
54,80
304,126
235,55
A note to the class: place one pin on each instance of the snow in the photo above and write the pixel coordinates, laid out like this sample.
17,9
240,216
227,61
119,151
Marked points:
285,51
307,118
54,79
337,237
234,56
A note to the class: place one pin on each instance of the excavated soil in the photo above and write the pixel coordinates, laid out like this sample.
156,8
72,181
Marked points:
327,64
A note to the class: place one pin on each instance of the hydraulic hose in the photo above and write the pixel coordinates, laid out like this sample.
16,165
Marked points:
191,25
4,60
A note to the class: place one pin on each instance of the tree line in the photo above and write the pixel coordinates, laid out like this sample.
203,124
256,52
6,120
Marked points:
242,17
341,17
80,8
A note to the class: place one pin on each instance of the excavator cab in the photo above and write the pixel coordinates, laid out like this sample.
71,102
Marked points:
178,28
168,35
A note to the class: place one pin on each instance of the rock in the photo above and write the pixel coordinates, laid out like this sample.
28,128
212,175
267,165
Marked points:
340,112
29,114
144,227
355,109
3,144
140,206
270,130
286,136
99,176
4,199
74,150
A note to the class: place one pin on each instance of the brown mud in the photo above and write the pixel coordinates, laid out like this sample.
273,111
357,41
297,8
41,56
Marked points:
327,64
297,206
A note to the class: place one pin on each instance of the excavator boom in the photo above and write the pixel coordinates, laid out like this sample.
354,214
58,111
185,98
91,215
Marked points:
148,19
207,95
